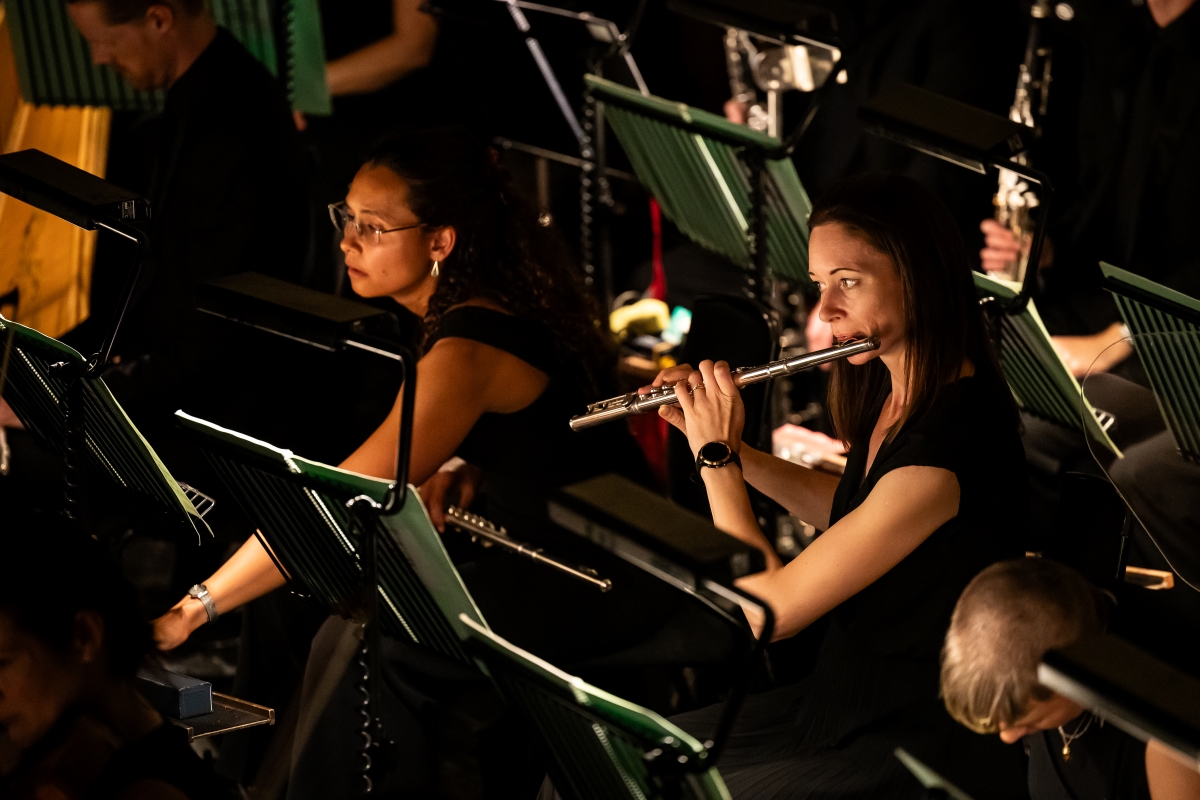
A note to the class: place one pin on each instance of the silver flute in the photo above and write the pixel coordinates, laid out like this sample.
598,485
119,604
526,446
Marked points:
479,528
633,403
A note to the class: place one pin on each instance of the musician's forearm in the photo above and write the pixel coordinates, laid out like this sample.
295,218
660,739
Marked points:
380,63
732,511
805,493
247,576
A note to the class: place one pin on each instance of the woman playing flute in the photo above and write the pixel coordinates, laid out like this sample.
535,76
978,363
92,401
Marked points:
934,490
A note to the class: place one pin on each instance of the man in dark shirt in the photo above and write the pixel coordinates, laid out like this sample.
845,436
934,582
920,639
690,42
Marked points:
1135,205
228,189
1138,165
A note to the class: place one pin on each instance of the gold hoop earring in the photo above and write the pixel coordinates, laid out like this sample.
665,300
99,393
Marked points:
434,271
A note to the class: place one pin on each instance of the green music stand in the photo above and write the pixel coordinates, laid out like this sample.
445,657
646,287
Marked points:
599,746
300,508
107,442
731,190
1166,335
54,65
1039,379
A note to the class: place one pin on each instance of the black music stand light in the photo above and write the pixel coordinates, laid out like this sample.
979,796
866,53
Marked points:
57,392
970,137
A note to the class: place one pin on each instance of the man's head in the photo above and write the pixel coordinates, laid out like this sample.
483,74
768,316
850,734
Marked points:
141,40
1006,620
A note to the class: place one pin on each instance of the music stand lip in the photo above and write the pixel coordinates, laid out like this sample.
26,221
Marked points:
1145,697
966,136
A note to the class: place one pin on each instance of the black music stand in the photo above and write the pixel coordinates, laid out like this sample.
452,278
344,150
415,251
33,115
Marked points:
55,391
679,547
1145,697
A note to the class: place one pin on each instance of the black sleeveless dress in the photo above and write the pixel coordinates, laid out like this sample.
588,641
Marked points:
875,683
526,455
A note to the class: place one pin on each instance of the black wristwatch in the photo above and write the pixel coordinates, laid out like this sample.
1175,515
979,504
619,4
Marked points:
715,455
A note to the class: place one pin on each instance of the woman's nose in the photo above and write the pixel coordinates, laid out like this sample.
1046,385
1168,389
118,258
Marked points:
829,307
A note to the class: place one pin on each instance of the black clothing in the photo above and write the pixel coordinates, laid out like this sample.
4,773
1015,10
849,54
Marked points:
875,684
229,194
1105,763
161,755
1138,148
444,717
529,453
967,51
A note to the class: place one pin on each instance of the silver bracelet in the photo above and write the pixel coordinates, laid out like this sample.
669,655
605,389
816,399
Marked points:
200,592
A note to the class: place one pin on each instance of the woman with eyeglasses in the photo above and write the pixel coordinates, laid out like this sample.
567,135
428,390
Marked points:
512,348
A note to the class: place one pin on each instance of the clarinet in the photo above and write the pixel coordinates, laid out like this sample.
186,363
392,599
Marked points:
1013,200
634,403
479,528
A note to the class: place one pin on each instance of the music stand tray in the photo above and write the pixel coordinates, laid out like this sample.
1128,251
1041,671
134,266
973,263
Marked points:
300,508
935,785
1040,380
729,189
112,445
1166,335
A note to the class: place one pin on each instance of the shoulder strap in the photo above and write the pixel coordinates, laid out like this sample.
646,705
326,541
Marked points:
526,339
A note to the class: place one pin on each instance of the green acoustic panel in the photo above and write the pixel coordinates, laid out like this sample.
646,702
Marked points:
699,165
113,446
600,747
1040,381
54,64
299,507
1166,335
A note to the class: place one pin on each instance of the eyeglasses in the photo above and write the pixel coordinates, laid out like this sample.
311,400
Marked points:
343,220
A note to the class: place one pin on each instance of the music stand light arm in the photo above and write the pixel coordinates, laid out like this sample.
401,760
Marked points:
737,696
138,236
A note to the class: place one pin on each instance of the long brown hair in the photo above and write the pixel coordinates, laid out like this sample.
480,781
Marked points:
943,324
502,253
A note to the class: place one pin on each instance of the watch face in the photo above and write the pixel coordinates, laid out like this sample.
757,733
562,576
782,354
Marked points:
715,452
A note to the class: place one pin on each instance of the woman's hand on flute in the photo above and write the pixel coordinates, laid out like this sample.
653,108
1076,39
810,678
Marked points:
713,409
669,377
454,484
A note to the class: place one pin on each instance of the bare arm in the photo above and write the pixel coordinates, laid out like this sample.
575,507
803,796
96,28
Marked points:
407,48
1169,775
457,381
805,493
906,506
248,575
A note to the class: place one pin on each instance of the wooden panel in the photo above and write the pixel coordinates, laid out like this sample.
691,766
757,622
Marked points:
48,259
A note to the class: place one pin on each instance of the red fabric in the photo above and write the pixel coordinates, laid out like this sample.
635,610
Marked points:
658,280
650,431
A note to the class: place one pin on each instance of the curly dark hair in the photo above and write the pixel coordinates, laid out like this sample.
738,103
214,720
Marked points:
502,254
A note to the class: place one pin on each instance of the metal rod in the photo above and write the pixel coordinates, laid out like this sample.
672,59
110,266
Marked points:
478,527
635,403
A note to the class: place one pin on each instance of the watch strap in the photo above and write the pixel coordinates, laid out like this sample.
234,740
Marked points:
200,592
702,462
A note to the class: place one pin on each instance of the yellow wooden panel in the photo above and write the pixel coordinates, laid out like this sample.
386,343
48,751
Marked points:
49,260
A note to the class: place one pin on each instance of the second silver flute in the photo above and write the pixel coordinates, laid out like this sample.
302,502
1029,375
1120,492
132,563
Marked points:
633,403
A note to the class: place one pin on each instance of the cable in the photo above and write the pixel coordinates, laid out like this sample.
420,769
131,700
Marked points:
1088,441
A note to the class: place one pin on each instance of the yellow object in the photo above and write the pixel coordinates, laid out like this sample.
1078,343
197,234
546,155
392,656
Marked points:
645,316
48,259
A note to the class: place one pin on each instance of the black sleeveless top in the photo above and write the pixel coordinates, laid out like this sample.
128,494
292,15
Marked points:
528,454
881,652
